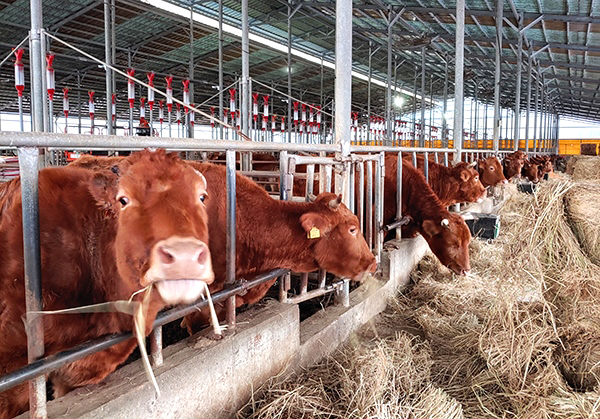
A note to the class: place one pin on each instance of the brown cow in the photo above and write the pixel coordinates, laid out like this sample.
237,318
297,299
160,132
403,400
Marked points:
531,171
104,236
446,233
490,172
544,165
513,164
452,185
273,234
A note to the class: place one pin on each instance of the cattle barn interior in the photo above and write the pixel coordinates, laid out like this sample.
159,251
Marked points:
299,208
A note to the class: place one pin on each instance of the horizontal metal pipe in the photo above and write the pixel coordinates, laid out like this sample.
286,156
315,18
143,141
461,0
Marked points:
377,149
55,361
117,142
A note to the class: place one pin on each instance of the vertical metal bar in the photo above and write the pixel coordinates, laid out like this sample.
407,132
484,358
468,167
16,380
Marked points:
370,215
541,136
422,136
220,34
476,115
108,59
113,43
414,159
156,355
414,115
446,158
360,202
369,94
535,115
343,86
37,68
517,133
304,283
342,296
283,169
310,180
28,167
426,166
498,74
43,44
231,234
190,126
485,125
399,196
289,71
445,105
388,101
529,65
458,78
78,102
380,174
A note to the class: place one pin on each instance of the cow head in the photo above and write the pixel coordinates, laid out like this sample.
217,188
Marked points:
490,172
449,240
338,246
471,189
161,237
531,171
512,167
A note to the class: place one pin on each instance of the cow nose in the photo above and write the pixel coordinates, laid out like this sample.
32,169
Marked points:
187,251
179,258
505,181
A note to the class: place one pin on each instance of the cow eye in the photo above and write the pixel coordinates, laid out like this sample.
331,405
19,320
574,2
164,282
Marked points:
123,201
492,169
476,178
202,197
353,230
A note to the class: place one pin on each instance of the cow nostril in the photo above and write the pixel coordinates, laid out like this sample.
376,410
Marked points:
202,255
164,256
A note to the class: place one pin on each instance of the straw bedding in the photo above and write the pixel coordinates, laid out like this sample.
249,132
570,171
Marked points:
518,338
584,168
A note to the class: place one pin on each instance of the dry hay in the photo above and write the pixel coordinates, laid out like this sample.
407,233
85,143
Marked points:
517,338
585,168
583,214
386,378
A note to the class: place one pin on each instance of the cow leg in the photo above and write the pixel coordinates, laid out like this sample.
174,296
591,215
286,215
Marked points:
91,369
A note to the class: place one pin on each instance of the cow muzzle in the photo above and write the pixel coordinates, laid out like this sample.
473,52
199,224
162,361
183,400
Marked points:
178,266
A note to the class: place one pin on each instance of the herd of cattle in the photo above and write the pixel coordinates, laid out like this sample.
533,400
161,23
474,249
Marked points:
112,226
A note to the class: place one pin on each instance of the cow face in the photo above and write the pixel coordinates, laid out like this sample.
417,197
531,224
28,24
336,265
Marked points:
512,167
471,189
338,245
449,242
531,172
161,224
490,172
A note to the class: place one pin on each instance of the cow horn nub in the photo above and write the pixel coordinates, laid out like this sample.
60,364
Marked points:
446,223
335,203
472,165
311,197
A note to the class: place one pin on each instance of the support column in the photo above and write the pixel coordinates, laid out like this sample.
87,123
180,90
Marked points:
422,137
498,74
289,69
37,67
535,118
527,112
517,134
221,115
190,127
109,61
343,84
388,102
476,114
458,79
414,115
369,94
445,106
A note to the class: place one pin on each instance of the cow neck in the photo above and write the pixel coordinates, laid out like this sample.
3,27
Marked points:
288,247
419,201
443,183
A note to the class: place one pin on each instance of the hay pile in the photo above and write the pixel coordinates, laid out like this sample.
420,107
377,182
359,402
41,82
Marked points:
584,168
519,337
583,214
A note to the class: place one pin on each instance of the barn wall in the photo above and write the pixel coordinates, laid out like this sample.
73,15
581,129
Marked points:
207,379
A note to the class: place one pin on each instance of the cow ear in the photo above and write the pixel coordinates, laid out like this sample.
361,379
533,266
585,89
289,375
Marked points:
103,188
431,228
464,175
314,224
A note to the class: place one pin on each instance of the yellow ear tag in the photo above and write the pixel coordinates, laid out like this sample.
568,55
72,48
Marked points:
314,233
